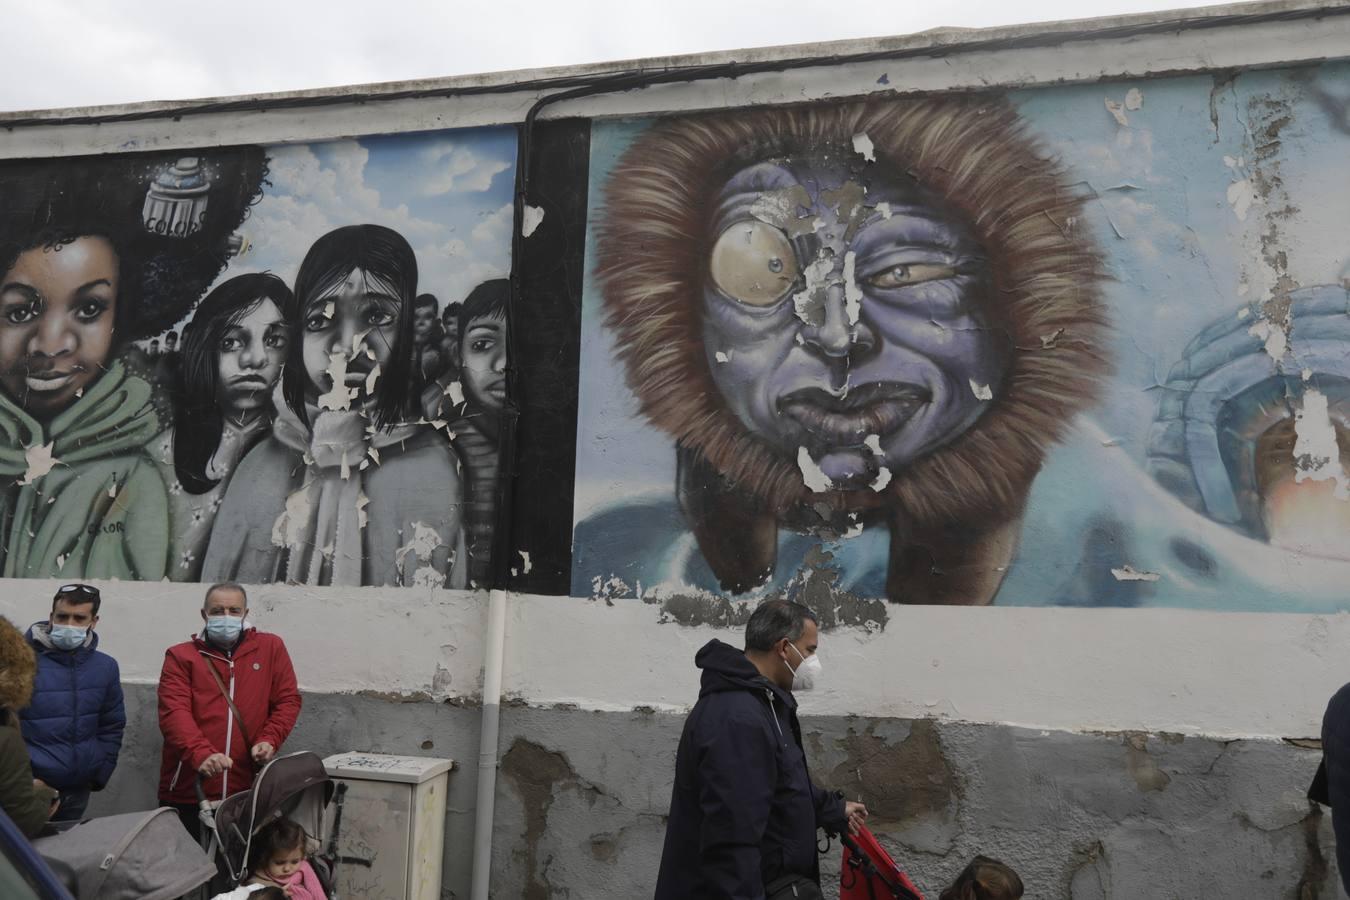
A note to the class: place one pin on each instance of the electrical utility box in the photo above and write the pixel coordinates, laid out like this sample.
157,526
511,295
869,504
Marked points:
393,825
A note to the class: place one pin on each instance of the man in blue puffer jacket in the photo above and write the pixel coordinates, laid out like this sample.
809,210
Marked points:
73,727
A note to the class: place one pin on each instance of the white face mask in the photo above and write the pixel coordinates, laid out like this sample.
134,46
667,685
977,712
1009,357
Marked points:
805,675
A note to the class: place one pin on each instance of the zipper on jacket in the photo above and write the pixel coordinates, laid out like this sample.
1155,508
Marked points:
177,770
773,712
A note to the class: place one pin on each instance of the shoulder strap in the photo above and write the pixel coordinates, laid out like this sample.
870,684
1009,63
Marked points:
239,720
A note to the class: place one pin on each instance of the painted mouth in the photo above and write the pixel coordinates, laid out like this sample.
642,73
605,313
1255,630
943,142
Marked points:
48,381
878,407
251,381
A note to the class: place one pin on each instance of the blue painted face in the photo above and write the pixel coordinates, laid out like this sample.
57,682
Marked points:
848,314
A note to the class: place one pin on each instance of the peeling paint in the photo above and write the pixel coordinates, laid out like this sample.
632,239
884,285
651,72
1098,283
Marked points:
853,295
780,208
1134,99
340,396
812,475
981,391
809,302
1317,455
1117,111
290,527
883,478
372,378
862,144
884,209
1275,339
530,219
1130,573
40,461
722,356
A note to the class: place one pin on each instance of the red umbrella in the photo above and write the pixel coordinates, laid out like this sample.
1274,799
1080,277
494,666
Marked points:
869,873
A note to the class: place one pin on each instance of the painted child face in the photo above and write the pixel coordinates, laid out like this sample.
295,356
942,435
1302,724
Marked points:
361,325
56,323
251,352
424,319
483,362
847,314
284,863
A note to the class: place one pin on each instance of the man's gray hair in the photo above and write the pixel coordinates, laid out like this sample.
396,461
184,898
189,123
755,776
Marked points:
774,620
225,586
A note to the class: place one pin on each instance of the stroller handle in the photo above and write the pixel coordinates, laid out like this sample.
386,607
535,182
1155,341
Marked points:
199,784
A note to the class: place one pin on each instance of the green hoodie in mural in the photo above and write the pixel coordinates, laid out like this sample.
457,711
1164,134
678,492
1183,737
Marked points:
102,509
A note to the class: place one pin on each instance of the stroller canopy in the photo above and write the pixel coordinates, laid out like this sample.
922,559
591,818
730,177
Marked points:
295,786
136,856
868,872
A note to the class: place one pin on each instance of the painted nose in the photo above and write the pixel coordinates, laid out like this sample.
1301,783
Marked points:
52,338
837,337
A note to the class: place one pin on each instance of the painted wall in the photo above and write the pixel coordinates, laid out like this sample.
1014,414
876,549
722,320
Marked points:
1050,326
290,314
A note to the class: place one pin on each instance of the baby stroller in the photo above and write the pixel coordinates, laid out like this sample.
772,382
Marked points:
296,787
869,873
135,856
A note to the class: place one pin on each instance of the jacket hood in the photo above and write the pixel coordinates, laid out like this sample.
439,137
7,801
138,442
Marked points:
114,416
726,668
18,665
40,636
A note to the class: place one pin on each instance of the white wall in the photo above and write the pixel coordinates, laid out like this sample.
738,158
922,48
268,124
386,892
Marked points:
1217,674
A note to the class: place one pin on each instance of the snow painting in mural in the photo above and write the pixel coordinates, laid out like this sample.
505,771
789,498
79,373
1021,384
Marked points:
255,363
1084,345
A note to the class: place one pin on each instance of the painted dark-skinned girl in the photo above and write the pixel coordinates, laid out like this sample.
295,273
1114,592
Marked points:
233,351
352,487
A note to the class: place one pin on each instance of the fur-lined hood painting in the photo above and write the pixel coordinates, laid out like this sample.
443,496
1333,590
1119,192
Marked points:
843,315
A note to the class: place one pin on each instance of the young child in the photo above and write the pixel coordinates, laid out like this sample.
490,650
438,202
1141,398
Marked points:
985,879
278,860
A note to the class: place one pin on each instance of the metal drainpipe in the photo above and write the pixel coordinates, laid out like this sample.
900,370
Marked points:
487,744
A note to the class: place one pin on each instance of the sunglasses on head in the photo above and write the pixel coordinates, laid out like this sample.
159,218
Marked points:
83,590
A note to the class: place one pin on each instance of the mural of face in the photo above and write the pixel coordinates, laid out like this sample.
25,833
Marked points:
483,364
850,318
362,325
56,322
252,351
424,320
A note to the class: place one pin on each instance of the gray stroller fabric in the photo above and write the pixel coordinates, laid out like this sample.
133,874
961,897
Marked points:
136,856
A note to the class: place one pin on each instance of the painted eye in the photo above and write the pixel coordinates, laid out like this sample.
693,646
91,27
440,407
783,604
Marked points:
230,344
753,262
316,322
910,273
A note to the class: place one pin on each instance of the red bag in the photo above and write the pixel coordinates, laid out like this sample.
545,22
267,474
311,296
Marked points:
869,873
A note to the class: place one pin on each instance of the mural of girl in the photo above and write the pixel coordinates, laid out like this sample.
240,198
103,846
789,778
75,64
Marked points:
80,496
352,487
233,350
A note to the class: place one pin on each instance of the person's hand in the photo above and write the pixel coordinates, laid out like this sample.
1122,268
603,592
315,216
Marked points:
856,814
215,764
263,751
39,783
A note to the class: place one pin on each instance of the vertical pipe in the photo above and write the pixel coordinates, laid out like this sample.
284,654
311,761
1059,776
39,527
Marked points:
487,744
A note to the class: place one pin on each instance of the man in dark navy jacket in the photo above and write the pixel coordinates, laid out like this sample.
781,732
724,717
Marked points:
1336,756
73,727
744,813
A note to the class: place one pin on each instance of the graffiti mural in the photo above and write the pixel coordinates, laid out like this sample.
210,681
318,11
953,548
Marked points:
255,363
1072,346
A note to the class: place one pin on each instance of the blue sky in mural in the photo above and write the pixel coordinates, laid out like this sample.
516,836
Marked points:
448,193
1174,166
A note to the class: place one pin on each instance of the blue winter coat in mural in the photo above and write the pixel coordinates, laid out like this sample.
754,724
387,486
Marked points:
73,726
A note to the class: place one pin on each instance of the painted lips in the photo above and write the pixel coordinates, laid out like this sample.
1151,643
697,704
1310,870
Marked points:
878,407
48,381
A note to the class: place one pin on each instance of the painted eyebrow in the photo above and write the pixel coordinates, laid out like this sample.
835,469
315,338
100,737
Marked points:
26,289
92,284
485,326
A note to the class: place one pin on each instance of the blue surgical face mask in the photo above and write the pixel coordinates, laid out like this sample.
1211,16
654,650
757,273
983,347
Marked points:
223,630
68,637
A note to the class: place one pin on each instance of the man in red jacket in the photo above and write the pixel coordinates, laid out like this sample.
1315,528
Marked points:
227,701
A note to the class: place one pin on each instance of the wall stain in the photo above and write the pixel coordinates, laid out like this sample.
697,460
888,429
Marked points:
1141,765
537,773
900,782
815,586
1313,884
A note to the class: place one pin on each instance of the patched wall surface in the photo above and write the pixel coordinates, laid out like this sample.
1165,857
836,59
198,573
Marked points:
582,798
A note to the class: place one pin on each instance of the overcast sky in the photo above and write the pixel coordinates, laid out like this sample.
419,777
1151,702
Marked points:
62,53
